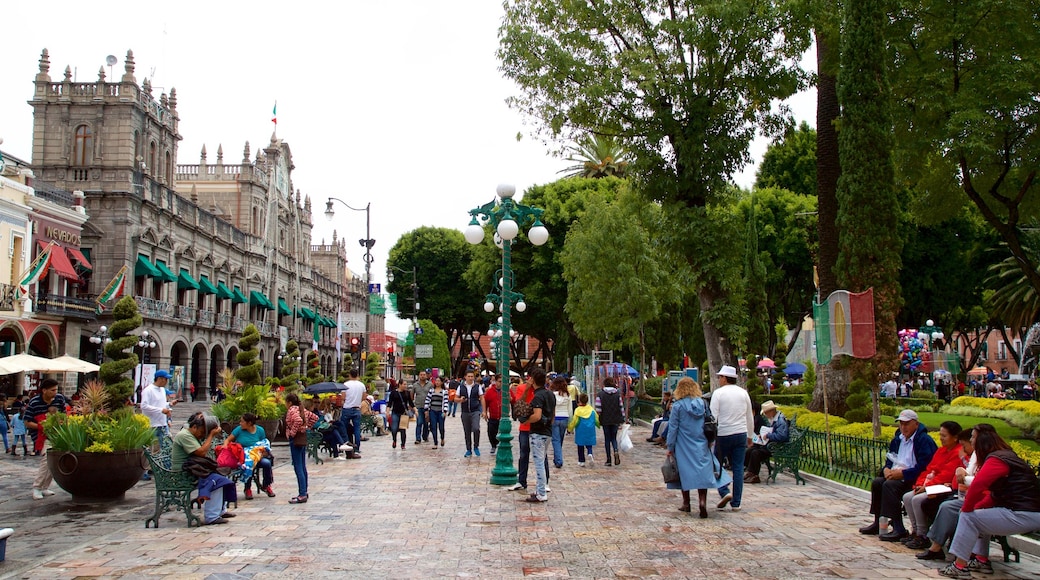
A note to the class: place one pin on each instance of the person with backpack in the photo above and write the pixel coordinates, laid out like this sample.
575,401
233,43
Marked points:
583,424
523,392
608,405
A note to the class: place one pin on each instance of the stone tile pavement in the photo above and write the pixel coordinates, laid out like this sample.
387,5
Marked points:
430,513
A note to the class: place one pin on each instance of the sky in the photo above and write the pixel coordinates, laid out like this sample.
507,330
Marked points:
395,104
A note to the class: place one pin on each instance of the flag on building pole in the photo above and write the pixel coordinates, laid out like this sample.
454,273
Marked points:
274,114
845,325
36,270
317,334
113,290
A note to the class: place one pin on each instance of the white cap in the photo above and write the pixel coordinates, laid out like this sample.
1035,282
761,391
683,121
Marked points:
907,415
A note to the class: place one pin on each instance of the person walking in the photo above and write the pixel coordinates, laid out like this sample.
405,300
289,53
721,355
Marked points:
584,424
493,411
608,405
297,421
470,398
49,397
419,390
400,404
688,445
562,418
18,431
731,406
435,408
353,391
4,424
543,406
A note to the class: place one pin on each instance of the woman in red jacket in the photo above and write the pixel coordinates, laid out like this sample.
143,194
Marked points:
940,470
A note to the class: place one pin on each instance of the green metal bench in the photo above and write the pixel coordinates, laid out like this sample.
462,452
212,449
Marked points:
786,455
173,489
314,442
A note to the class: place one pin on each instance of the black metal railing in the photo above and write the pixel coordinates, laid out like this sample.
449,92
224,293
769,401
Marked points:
852,460
81,308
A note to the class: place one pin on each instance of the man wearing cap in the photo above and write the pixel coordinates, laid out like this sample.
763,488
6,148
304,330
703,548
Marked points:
778,431
731,406
156,405
908,453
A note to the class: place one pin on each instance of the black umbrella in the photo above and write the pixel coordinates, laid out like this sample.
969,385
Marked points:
326,387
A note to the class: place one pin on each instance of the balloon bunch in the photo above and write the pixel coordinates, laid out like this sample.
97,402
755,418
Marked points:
913,350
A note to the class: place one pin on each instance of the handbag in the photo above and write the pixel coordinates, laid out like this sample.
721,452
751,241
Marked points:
521,409
300,438
670,471
711,424
403,422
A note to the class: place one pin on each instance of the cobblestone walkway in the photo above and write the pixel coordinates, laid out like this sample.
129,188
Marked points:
430,513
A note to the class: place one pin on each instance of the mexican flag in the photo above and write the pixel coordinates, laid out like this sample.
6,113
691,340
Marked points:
845,325
317,334
36,270
114,290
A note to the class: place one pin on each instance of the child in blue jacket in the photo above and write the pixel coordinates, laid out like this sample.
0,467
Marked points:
583,424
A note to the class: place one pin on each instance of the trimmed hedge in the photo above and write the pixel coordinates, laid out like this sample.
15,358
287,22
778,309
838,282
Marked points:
781,400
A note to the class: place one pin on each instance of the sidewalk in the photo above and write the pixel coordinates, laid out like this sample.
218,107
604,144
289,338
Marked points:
428,513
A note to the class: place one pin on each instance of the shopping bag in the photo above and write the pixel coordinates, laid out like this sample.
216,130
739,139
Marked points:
670,470
624,441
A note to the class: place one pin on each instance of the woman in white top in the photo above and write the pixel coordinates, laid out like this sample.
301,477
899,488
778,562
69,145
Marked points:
563,417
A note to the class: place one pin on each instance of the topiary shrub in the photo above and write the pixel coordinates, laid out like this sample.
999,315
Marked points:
249,363
653,387
113,371
922,394
859,402
314,368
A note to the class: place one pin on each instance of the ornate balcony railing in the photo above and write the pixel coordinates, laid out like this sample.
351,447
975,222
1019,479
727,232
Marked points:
66,306
205,318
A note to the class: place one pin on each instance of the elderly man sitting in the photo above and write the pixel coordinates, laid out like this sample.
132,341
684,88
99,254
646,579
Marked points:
778,431
909,453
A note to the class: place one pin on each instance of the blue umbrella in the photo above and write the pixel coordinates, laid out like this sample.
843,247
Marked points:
795,369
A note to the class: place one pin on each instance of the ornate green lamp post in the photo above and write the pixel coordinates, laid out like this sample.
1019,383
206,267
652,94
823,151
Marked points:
506,217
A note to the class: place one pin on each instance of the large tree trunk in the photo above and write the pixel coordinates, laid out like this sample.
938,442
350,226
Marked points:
720,351
836,381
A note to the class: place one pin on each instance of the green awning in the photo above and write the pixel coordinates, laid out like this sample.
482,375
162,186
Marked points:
258,299
185,281
223,291
307,314
237,297
327,322
164,273
144,268
283,308
205,287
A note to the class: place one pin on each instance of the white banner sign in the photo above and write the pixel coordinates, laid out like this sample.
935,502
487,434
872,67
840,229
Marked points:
424,351
351,322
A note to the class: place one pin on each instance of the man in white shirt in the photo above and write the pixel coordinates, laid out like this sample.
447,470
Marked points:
731,406
353,391
155,404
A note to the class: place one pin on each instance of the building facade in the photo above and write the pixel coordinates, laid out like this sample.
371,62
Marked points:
210,248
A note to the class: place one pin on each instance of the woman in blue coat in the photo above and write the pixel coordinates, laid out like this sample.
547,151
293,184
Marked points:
686,441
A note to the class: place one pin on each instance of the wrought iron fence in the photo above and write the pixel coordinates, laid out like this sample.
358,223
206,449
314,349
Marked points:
853,460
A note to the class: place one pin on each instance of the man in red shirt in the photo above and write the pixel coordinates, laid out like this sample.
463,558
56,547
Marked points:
493,400
524,437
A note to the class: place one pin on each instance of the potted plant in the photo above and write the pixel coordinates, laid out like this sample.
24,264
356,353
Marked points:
97,453
258,399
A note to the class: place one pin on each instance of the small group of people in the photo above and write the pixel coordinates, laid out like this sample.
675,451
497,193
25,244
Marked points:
12,426
965,490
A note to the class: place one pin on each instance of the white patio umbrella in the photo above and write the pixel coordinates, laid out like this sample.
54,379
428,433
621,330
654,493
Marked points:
22,363
72,364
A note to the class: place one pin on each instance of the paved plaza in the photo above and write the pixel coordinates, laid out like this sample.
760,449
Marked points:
430,513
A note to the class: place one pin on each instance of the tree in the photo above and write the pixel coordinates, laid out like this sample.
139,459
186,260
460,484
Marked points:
868,207
790,162
289,372
826,26
757,330
538,271
118,362
371,369
597,156
433,336
249,363
682,84
441,257
608,260
968,120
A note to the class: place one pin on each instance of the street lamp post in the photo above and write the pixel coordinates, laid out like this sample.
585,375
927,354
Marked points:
931,334
366,243
146,343
415,303
100,339
506,217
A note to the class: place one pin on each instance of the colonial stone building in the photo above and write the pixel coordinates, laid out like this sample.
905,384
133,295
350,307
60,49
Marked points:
210,247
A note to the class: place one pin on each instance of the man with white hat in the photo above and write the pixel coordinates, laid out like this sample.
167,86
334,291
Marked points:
731,406
778,431
908,453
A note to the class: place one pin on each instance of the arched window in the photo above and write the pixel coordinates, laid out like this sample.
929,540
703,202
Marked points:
152,159
169,169
82,151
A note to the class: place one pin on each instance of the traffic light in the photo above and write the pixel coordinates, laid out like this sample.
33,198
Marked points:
355,345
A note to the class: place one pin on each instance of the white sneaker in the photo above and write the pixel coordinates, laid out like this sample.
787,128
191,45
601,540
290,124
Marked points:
47,492
346,447
515,487
547,490
581,464
37,494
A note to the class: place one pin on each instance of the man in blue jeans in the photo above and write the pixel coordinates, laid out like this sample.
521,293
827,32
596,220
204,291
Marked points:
543,407
353,391
731,406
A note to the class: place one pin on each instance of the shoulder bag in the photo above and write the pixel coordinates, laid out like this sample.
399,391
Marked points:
711,424
670,470
300,438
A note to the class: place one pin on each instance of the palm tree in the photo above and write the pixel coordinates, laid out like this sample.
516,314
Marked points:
597,156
